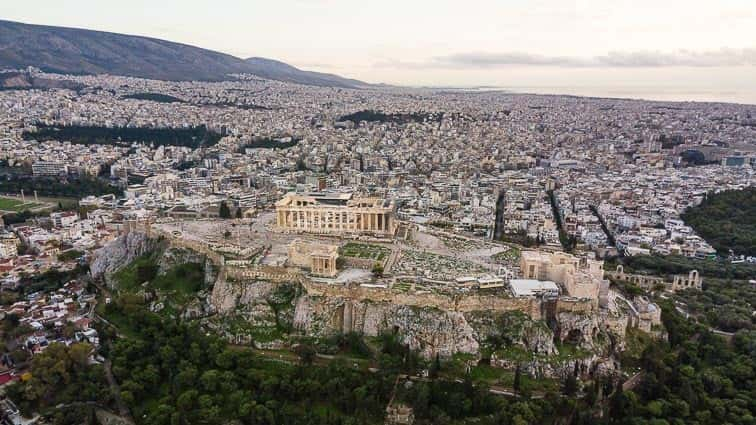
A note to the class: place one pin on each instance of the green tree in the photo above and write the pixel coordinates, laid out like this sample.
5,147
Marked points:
435,367
570,386
223,210
517,379
377,269
306,353
60,374
727,220
146,272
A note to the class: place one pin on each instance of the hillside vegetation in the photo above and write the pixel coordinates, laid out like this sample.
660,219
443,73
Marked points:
192,137
727,220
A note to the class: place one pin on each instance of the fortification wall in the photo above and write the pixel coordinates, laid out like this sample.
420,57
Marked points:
258,272
461,303
576,305
457,303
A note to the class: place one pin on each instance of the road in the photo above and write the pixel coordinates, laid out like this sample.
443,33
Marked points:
680,307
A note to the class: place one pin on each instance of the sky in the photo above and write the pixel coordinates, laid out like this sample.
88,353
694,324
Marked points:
694,48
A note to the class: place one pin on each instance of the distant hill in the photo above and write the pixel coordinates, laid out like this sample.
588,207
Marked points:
80,51
276,70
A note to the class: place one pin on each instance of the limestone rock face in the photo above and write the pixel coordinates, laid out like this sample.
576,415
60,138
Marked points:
428,330
578,329
263,312
513,329
258,313
615,327
228,295
120,252
317,316
589,332
211,273
558,368
515,340
173,257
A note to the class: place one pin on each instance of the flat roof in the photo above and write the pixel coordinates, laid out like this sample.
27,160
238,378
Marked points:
329,195
532,287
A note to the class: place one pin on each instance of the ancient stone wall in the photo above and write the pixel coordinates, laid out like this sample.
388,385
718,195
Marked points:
576,305
679,281
461,303
257,272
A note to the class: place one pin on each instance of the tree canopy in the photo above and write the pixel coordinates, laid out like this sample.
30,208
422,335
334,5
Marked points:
727,220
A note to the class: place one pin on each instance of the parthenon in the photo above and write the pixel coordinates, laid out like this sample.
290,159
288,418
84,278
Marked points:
335,213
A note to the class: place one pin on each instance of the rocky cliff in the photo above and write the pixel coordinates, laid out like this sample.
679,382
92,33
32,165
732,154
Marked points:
229,295
265,313
172,257
120,252
257,313
513,329
428,330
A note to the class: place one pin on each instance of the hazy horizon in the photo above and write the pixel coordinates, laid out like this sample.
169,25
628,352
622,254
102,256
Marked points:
639,49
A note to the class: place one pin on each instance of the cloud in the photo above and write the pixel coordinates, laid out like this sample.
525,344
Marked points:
485,60
615,59
721,57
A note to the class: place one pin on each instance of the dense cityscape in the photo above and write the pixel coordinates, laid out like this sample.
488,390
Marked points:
451,200
188,237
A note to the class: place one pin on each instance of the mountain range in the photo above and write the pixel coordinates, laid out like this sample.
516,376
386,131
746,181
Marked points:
80,51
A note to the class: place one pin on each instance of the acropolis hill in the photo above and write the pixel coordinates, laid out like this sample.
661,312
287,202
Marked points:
346,269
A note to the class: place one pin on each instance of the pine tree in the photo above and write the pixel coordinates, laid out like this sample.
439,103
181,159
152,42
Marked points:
570,386
435,368
224,211
517,380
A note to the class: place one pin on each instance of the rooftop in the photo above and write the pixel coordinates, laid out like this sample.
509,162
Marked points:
531,287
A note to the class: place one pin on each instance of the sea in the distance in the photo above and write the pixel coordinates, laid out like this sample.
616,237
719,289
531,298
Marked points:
667,94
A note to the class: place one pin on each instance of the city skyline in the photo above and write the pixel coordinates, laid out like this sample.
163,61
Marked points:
547,216
667,51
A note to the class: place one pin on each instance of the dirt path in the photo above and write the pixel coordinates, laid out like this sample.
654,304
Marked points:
116,390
